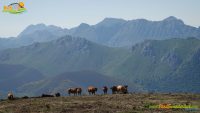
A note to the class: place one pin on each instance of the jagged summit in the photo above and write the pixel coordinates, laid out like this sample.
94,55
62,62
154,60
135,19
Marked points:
173,19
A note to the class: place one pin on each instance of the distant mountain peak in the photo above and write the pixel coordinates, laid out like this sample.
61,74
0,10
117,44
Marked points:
84,25
171,18
31,29
111,21
41,25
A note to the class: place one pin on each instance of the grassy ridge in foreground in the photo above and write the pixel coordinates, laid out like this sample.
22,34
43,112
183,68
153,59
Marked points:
129,103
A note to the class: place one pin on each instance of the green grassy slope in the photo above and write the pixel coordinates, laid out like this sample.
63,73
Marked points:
158,64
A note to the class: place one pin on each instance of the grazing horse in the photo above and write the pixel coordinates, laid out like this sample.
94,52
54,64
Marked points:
92,90
114,89
72,91
120,89
10,96
46,95
79,91
105,90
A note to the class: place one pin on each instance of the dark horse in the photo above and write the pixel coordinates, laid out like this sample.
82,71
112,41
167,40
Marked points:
105,89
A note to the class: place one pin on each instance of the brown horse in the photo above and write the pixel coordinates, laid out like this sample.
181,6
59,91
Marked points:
92,90
72,91
105,89
119,89
10,96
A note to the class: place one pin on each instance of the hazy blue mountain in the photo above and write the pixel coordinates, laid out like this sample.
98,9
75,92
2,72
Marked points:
8,43
154,65
63,54
110,32
13,76
170,66
41,33
99,33
32,34
118,32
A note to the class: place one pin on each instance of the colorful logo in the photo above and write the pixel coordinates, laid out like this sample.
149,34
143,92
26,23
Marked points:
15,8
170,106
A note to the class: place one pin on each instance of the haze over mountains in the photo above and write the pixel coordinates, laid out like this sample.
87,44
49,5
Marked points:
41,57
118,32
109,32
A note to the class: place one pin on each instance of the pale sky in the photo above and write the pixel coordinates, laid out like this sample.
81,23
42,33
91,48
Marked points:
71,13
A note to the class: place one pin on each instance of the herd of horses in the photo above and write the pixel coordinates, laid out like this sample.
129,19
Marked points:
92,90
119,89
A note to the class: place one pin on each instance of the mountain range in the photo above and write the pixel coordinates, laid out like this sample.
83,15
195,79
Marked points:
154,56
119,32
109,32
170,65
